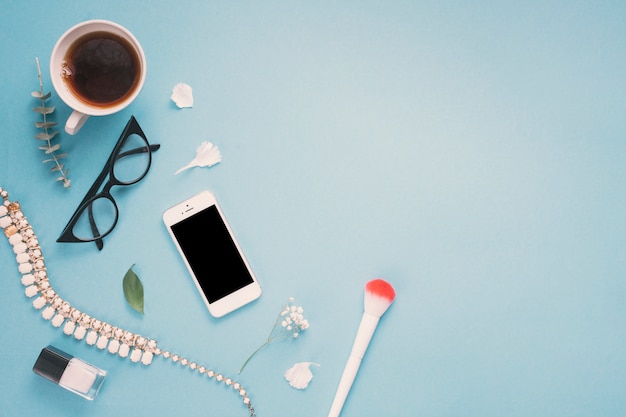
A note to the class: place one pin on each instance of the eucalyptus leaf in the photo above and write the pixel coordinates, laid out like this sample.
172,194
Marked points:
45,136
45,125
40,95
47,149
58,157
44,110
52,148
133,290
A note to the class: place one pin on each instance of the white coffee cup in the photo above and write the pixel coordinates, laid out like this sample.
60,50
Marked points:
87,77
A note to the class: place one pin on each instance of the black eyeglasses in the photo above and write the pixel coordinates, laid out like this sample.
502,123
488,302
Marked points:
128,164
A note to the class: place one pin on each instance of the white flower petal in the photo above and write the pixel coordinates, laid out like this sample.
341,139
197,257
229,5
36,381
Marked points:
299,375
182,95
207,155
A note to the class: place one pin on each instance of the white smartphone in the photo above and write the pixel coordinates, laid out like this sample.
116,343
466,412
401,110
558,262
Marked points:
212,254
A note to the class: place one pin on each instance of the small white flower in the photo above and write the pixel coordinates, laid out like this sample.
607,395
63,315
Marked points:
292,323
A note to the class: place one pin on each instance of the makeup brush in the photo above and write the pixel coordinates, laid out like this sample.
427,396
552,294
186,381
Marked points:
379,295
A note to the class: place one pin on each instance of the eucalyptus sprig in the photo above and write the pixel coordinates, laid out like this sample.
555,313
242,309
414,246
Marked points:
47,133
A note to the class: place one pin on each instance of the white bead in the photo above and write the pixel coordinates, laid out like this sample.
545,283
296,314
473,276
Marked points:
20,248
124,349
39,303
3,211
69,327
57,321
22,258
5,222
25,268
146,359
114,346
102,342
92,337
28,279
31,291
15,239
79,334
48,313
136,355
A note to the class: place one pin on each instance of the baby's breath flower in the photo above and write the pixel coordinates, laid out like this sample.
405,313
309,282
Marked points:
292,323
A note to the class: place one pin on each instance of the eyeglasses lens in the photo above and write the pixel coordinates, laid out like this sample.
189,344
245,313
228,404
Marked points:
103,215
132,161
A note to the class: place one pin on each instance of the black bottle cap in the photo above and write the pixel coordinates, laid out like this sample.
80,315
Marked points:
51,363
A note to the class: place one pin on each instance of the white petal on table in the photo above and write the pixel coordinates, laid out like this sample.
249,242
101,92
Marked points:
182,95
300,375
207,155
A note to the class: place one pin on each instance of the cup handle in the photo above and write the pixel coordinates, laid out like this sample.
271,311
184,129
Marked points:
75,122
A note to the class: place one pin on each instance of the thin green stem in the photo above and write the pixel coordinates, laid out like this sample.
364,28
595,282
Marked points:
254,353
269,339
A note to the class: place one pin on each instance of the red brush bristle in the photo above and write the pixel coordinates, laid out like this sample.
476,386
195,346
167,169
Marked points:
381,288
379,295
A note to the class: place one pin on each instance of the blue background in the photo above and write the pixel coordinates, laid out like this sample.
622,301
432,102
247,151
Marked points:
472,154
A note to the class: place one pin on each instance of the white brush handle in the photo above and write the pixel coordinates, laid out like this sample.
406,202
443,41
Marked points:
361,342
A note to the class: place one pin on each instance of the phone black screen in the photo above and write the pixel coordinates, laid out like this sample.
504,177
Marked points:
212,254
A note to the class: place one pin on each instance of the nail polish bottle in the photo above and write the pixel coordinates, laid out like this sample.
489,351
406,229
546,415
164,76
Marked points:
69,372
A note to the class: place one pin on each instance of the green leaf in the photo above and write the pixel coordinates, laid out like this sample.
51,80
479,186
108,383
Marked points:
51,149
40,95
44,110
46,136
133,290
45,125
58,157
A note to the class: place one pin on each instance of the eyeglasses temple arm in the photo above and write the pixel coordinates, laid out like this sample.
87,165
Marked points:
94,228
153,148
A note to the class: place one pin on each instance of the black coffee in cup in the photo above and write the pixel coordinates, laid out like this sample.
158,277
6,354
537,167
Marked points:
102,69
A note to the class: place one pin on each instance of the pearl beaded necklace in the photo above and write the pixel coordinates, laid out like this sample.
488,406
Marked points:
75,322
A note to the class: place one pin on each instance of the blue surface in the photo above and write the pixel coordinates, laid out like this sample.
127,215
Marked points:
472,155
